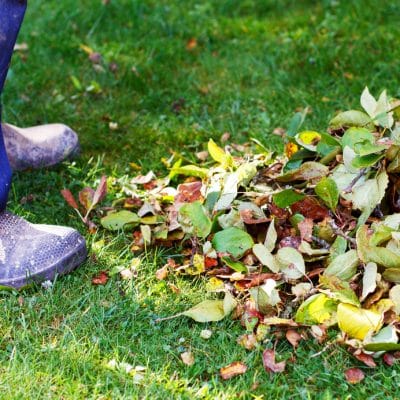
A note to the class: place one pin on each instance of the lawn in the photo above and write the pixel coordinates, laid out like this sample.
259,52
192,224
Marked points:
251,66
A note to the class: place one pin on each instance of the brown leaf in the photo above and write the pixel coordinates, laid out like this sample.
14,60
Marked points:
310,207
306,229
389,359
293,337
174,288
319,332
69,198
232,370
191,44
366,359
187,358
86,197
354,375
162,273
269,363
101,278
248,341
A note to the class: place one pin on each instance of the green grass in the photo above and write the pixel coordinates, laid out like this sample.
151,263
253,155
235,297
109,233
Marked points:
256,62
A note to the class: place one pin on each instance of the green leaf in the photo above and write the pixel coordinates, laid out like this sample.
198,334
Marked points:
118,220
233,241
291,263
309,170
351,118
194,220
295,123
327,190
190,170
265,296
344,266
366,161
265,257
235,265
287,197
317,309
375,347
338,290
367,195
379,255
211,310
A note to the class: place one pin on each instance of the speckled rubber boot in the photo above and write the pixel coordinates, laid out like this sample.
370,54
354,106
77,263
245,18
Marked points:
35,253
39,146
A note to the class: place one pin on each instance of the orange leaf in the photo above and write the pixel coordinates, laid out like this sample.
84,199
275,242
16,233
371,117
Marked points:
232,370
101,278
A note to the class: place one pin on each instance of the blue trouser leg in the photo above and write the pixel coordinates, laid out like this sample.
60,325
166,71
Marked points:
11,16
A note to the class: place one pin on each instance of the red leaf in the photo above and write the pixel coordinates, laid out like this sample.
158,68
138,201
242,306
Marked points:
101,190
269,363
234,369
210,262
388,359
189,192
69,198
366,359
354,375
293,337
101,278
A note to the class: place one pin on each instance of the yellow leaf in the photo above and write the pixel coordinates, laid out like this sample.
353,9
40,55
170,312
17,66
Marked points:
219,155
358,322
88,50
215,284
308,139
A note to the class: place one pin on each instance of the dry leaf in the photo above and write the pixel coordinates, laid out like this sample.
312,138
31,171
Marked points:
269,363
232,370
101,278
187,358
354,375
293,337
366,359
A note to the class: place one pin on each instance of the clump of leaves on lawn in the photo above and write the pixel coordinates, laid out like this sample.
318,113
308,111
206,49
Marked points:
298,243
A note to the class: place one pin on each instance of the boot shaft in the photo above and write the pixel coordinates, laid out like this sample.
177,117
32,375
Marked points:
11,16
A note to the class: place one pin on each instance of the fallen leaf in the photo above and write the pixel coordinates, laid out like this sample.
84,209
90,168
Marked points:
234,369
389,359
366,359
187,358
162,273
101,278
69,198
354,375
293,337
248,341
357,322
268,358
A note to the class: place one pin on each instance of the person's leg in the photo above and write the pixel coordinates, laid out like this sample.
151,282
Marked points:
11,16
28,252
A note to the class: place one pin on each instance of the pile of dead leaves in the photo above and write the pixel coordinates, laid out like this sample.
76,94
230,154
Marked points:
298,243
